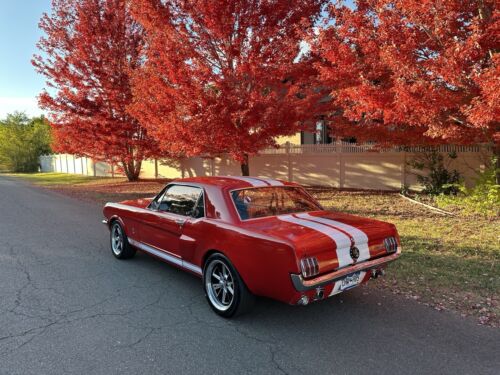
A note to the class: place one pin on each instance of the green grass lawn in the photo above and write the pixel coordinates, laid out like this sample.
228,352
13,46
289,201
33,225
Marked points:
448,262
49,179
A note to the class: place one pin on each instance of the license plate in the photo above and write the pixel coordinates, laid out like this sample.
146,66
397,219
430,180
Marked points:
350,281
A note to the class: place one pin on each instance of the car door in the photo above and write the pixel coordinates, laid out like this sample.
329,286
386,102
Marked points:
161,226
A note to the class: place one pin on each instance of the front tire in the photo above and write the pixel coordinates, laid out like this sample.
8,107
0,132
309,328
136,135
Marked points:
120,247
226,292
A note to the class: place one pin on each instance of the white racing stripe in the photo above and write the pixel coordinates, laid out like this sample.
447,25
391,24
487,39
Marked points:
273,182
342,241
259,182
252,181
360,237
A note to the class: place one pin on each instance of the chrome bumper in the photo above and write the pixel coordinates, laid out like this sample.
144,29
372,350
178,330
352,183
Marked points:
303,285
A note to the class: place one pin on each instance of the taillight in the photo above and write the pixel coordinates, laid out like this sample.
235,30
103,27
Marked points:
391,245
309,266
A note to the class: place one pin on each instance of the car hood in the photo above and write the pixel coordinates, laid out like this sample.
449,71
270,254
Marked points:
328,236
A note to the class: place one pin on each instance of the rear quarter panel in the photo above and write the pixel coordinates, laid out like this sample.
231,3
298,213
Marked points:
263,262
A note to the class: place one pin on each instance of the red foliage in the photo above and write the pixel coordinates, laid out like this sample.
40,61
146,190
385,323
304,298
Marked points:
413,71
91,48
223,76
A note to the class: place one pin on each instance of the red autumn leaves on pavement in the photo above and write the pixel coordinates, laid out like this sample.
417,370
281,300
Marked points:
148,78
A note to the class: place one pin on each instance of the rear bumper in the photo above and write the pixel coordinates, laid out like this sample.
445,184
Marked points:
302,285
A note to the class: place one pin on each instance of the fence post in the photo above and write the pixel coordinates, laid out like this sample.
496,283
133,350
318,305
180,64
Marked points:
93,166
341,171
67,165
403,171
289,162
112,170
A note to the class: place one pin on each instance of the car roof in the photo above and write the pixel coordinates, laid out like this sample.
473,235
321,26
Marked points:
235,182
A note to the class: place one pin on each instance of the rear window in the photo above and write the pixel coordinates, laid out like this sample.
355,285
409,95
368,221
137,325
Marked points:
270,201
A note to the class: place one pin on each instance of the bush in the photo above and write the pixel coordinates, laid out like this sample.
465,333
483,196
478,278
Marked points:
436,178
483,198
22,141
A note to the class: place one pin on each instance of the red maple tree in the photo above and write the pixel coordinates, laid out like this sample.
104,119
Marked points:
90,49
412,71
223,76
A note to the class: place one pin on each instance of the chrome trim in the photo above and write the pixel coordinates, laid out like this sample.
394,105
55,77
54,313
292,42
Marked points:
309,266
302,285
104,221
390,244
180,221
167,257
192,267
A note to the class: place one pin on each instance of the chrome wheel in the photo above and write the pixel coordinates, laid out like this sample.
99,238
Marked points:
117,239
219,285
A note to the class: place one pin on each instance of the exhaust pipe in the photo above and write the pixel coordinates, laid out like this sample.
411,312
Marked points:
377,272
320,294
303,301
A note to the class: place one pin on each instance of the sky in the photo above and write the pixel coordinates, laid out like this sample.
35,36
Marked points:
19,83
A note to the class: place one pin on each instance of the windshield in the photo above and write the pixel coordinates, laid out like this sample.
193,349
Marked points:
270,201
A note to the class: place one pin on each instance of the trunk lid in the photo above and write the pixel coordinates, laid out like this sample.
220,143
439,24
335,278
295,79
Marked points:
328,236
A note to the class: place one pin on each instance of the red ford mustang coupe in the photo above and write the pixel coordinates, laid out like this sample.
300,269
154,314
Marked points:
248,236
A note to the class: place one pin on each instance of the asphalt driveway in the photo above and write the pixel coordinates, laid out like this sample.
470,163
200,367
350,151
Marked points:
68,307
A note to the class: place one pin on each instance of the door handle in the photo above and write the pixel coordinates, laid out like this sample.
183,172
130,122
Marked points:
180,221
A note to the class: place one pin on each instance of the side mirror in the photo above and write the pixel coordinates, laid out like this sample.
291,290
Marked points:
153,205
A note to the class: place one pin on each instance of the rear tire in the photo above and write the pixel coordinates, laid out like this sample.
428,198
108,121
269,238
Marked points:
226,292
120,247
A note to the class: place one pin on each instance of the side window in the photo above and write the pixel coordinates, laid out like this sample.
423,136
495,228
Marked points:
200,207
181,200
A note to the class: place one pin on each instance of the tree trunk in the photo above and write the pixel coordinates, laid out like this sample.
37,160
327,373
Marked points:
496,152
132,169
245,167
